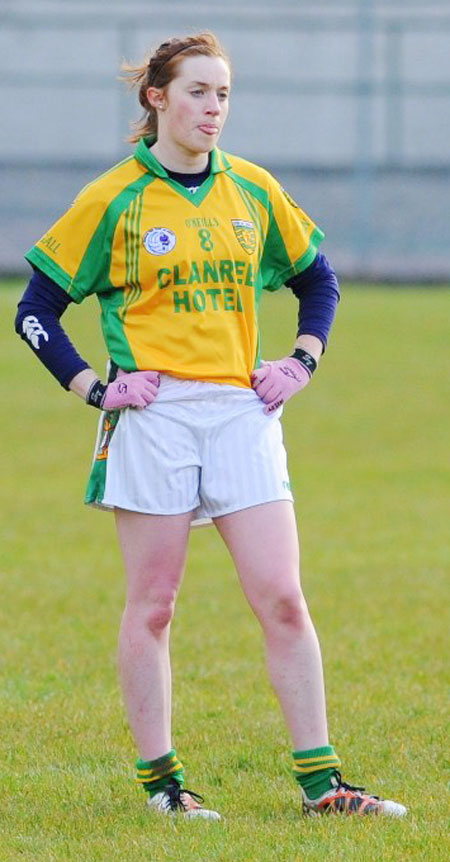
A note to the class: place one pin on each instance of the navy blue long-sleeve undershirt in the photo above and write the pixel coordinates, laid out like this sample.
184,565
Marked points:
317,290
37,322
44,302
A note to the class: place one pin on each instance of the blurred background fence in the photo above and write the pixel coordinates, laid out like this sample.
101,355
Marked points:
348,103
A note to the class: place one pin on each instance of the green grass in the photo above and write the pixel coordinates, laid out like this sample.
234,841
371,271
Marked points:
368,445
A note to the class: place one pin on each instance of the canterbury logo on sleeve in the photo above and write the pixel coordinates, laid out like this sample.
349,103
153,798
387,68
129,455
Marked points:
33,330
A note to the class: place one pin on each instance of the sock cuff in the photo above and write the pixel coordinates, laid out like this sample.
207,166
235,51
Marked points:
315,759
160,761
153,773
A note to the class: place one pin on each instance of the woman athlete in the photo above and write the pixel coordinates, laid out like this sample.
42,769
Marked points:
177,242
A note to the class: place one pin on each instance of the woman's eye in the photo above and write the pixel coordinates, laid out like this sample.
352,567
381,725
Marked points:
197,92
222,96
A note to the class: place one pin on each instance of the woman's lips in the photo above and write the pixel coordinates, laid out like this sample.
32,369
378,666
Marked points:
208,130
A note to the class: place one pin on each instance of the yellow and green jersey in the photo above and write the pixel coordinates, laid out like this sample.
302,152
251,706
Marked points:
178,274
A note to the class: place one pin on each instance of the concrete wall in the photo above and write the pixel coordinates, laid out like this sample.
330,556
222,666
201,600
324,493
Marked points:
348,103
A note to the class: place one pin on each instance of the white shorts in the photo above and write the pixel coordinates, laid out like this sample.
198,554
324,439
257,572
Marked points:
200,447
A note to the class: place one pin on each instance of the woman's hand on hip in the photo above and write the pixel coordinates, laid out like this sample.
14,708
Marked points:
275,382
134,389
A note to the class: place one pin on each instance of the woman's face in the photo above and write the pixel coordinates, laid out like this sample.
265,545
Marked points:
194,106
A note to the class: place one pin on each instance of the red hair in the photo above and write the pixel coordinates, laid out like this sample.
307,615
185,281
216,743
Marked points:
160,68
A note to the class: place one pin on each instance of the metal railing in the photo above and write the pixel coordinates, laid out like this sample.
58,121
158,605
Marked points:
381,88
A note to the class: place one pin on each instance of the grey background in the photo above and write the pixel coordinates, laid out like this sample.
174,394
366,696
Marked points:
347,103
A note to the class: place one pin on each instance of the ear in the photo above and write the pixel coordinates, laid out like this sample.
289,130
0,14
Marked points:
156,98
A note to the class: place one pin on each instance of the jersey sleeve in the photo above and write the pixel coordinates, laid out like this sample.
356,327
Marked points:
292,239
76,251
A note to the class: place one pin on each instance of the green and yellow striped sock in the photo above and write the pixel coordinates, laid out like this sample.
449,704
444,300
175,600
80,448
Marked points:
313,769
155,774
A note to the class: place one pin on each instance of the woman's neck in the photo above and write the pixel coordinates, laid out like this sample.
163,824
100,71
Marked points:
176,159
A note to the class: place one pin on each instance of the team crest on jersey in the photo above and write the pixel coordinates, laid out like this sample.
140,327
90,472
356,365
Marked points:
245,234
159,240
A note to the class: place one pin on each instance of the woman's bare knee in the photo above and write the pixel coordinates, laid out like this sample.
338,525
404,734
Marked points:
285,611
152,615
159,616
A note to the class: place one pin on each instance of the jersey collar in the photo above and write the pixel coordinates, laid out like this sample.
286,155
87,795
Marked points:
142,154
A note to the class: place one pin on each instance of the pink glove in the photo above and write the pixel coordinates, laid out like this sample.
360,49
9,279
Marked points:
137,389
275,382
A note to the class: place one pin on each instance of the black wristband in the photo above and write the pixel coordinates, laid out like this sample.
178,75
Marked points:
96,394
305,359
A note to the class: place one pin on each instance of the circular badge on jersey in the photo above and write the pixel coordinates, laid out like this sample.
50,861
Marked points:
159,240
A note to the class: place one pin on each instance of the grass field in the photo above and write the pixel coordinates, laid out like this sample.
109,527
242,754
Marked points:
368,445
